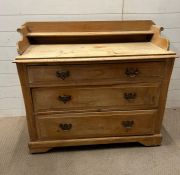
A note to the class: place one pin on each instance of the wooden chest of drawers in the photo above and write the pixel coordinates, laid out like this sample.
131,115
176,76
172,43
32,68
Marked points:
93,82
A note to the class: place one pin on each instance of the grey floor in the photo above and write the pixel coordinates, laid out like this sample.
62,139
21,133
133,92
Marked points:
119,159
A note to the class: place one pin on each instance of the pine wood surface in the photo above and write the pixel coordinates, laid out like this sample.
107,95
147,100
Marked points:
44,146
94,125
96,98
56,34
93,82
89,26
92,50
94,74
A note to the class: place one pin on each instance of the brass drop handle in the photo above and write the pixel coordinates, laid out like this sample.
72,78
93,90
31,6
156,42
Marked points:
62,74
132,72
130,95
128,124
65,126
64,98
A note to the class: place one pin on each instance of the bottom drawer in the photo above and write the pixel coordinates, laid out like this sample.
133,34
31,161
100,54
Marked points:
92,125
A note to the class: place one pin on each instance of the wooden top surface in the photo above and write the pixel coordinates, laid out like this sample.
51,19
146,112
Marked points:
55,51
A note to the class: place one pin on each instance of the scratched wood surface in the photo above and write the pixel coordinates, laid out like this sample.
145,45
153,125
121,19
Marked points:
92,50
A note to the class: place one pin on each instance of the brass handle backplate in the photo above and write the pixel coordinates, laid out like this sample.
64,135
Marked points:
64,98
65,126
132,72
62,74
130,96
128,124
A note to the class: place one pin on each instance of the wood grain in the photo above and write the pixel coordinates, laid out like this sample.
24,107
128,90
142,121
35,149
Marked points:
96,125
94,82
28,101
43,146
92,50
89,26
95,73
96,59
96,98
24,43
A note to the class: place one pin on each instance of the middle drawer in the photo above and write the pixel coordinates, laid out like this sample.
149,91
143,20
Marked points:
96,98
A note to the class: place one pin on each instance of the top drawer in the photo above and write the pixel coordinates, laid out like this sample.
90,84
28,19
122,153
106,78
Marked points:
95,73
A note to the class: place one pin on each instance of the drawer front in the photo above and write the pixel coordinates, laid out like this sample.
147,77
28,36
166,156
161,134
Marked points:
92,125
96,98
95,73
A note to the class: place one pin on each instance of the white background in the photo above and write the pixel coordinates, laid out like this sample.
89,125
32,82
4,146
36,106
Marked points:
13,13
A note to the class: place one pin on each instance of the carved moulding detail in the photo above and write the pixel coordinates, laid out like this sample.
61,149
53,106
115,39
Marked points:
23,44
158,39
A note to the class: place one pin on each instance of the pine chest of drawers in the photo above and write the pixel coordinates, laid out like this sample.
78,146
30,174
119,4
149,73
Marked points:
93,82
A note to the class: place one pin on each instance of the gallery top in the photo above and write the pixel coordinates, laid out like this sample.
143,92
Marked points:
91,41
